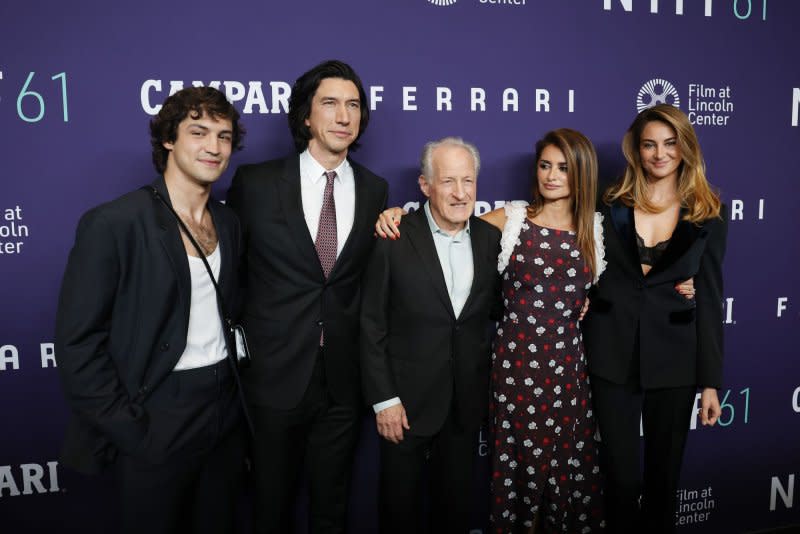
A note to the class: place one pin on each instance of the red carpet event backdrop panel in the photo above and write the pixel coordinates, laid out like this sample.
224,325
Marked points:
80,81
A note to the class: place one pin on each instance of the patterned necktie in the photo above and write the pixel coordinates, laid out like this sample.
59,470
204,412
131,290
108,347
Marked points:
326,231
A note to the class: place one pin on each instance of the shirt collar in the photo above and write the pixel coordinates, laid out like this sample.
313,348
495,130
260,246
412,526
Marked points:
310,168
435,227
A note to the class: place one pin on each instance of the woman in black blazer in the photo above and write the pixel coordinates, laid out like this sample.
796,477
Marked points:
648,347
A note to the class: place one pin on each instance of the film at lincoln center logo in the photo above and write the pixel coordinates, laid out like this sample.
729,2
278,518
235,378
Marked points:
442,2
657,91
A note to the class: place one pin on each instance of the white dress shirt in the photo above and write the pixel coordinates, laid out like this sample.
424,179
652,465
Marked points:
312,191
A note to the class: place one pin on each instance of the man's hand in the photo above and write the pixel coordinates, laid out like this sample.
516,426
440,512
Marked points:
709,407
388,221
391,422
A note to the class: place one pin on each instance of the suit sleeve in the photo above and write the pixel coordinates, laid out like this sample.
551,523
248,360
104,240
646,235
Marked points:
376,374
89,376
235,201
709,286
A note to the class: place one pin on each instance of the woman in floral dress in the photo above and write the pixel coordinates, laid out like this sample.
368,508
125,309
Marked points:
544,462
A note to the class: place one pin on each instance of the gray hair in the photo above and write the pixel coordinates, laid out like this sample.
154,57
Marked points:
426,160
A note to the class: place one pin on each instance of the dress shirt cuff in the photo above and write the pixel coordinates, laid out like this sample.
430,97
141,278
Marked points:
386,404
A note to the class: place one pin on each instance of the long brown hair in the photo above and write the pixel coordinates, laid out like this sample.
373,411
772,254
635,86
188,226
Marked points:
696,195
582,177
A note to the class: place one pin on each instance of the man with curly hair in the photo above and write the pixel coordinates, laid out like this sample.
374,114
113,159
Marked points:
141,346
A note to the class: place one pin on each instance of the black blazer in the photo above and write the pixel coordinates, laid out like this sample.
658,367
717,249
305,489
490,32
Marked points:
287,299
123,316
412,345
679,340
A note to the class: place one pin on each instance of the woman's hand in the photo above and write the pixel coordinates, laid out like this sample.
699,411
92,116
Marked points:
709,407
685,288
388,221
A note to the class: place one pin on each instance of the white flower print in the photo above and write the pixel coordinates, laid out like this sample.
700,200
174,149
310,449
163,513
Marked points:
538,261
506,364
538,288
575,253
560,329
529,381
538,304
559,305
564,245
570,288
544,245
532,348
512,346
571,272
545,232
548,271
540,330
528,443
520,258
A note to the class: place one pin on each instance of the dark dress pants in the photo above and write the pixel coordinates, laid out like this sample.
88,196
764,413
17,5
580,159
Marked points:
187,475
319,432
449,457
665,417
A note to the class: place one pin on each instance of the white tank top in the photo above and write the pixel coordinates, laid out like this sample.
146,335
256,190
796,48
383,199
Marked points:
205,340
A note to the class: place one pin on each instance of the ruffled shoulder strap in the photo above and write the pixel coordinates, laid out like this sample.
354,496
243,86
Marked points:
516,211
599,247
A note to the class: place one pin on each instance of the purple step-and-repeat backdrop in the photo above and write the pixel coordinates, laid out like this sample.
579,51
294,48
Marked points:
79,81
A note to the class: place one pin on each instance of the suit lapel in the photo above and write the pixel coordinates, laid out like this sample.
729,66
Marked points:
360,218
172,244
292,206
622,219
478,242
419,235
682,238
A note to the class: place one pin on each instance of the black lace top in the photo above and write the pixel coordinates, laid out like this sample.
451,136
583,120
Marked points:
650,255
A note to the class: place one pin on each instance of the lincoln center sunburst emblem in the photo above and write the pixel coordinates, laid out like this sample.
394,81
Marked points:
657,91
442,2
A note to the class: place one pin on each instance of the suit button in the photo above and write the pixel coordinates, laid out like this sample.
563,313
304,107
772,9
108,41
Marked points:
142,390
458,328
640,285
164,347
319,323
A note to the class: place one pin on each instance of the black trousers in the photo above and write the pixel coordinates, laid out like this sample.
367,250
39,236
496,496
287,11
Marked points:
187,475
317,433
449,457
665,417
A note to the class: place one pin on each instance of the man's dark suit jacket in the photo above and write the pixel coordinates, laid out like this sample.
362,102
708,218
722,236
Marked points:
123,316
680,340
412,345
287,298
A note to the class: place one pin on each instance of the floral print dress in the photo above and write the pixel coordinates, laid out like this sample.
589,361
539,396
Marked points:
544,458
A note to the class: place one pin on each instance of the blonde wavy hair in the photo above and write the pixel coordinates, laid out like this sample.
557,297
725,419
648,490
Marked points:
581,161
696,195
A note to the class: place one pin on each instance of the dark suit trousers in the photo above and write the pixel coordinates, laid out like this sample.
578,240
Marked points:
319,432
188,473
665,417
449,457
